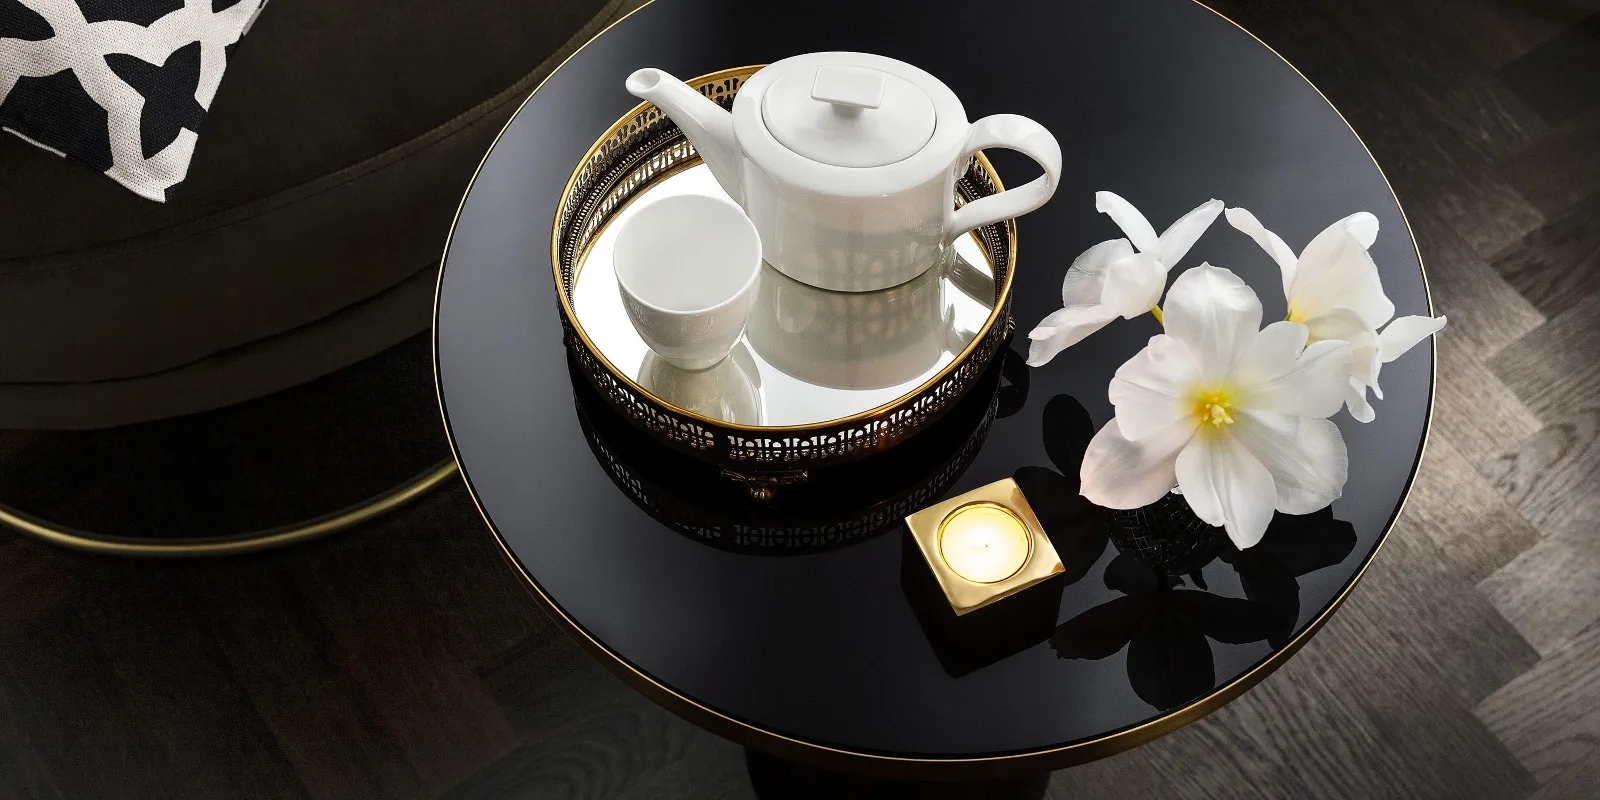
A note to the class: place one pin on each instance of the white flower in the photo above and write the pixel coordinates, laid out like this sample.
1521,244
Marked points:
1117,278
1334,288
1233,414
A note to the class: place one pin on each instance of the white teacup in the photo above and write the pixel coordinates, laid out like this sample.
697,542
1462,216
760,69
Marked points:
687,267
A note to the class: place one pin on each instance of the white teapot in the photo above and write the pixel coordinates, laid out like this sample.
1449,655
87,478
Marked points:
847,163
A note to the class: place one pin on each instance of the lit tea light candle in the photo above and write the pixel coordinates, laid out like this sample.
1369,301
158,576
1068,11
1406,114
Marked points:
984,542
984,545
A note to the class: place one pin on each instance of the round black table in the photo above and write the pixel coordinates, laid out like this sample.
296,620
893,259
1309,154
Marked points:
820,657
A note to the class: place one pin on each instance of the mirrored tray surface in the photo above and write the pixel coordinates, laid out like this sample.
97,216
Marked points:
808,355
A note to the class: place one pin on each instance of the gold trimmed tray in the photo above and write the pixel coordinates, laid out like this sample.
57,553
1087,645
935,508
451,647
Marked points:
839,507
645,151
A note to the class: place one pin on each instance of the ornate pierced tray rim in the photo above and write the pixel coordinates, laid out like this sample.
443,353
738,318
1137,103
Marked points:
809,535
995,313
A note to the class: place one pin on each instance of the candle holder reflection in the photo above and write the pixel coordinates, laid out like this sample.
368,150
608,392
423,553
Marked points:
981,575
968,642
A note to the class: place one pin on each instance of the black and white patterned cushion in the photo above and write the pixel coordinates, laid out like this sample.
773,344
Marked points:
118,85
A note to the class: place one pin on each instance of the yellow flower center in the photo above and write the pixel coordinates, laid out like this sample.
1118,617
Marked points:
1212,408
1295,314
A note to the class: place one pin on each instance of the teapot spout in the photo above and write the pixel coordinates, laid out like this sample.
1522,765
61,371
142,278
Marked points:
707,125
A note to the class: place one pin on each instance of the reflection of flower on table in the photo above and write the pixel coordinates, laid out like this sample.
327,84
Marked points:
1164,626
1295,546
1165,621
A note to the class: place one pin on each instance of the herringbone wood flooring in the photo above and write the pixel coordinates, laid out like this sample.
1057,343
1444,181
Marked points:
389,662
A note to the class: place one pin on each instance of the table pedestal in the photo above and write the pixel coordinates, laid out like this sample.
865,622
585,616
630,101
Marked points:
776,779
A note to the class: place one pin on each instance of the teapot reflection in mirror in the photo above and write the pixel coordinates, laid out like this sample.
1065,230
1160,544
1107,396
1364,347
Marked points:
868,340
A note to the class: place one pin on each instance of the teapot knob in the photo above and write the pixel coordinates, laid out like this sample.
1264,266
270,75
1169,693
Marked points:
849,89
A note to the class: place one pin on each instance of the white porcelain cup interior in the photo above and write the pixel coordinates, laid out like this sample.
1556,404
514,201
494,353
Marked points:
687,267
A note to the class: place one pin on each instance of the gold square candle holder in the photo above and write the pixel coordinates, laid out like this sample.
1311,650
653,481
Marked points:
984,546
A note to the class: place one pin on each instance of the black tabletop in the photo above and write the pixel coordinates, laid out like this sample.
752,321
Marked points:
820,654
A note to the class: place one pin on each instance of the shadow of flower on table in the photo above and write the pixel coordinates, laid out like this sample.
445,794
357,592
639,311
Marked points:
1165,621
1165,627
1295,546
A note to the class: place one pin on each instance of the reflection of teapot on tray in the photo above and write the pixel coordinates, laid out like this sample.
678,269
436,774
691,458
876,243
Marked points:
863,340
847,163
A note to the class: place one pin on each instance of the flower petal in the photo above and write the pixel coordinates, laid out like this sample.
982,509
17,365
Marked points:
1055,320
1307,457
1149,390
1342,324
1117,473
1063,329
1355,399
1129,220
1247,223
1133,285
1226,485
1404,333
1082,284
1309,385
1216,314
1271,351
1334,271
1362,225
1181,235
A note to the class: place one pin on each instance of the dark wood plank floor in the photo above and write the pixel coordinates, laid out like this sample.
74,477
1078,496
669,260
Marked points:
403,660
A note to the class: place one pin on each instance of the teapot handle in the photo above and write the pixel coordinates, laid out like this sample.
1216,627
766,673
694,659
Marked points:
1025,136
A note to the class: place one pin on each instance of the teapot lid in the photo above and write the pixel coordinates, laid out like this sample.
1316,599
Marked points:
847,115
